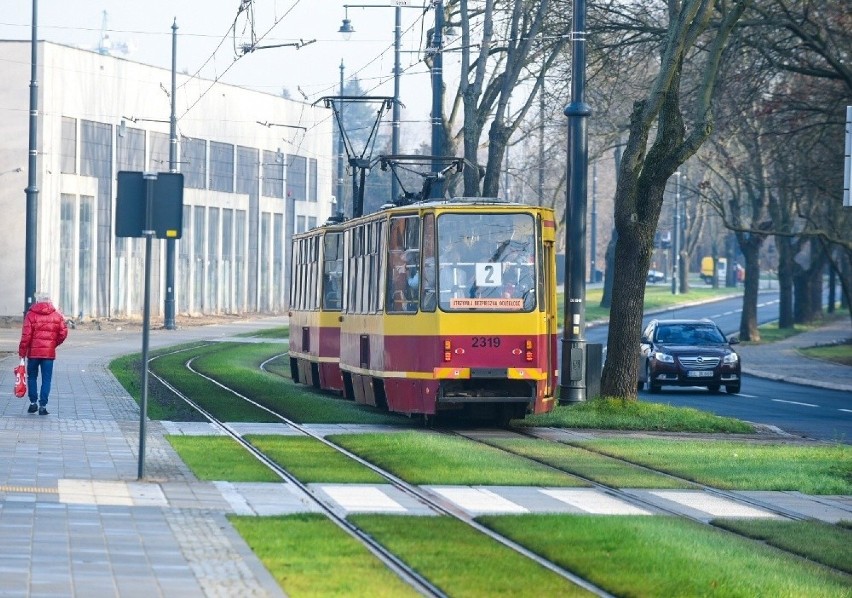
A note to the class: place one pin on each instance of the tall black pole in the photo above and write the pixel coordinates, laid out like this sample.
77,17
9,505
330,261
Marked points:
32,173
676,238
593,250
572,376
341,204
169,307
437,88
397,70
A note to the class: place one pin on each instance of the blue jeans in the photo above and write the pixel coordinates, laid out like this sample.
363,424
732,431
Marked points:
46,366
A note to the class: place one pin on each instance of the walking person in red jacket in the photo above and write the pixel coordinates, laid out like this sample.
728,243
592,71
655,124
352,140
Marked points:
44,330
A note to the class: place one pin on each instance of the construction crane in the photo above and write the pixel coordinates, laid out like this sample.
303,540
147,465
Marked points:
106,45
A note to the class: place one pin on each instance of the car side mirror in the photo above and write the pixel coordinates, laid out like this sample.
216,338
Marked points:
646,340
734,340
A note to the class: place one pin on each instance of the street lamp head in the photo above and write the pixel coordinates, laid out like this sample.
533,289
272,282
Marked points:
346,29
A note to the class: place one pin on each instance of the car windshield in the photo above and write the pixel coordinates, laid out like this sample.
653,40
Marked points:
690,334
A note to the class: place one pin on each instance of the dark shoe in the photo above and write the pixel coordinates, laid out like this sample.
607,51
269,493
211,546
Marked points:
33,408
42,411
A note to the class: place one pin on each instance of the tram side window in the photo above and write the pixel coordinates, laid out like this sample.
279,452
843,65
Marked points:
332,270
404,276
428,297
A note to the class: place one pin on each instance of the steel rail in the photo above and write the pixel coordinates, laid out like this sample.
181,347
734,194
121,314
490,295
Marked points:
434,502
394,563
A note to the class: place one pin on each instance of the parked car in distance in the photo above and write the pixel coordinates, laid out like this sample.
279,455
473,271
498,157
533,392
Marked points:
688,353
656,276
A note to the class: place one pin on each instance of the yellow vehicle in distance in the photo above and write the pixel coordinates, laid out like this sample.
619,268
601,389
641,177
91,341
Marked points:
707,269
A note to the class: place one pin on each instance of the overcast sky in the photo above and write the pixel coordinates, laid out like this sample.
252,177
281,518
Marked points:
211,33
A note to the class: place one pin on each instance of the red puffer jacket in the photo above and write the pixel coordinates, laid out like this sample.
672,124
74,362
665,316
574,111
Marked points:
44,330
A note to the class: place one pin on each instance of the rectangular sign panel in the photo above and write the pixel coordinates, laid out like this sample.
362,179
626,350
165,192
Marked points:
131,204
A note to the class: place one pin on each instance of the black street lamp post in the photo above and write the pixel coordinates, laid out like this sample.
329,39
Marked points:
572,374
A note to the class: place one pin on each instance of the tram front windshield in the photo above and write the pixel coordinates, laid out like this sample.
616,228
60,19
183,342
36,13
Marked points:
486,262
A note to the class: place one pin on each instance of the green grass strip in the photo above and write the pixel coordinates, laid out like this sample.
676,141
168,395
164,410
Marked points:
667,556
600,468
232,463
840,353
224,405
821,542
309,460
308,555
237,365
460,560
736,465
620,414
162,402
429,458
279,332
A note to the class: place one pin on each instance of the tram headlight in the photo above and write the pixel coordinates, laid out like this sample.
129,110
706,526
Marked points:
529,353
448,350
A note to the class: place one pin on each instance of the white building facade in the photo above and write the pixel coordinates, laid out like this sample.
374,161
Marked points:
247,186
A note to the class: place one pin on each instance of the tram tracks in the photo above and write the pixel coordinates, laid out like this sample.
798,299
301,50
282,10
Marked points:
439,505
432,501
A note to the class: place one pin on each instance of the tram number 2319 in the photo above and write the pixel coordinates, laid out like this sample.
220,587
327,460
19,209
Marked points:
483,342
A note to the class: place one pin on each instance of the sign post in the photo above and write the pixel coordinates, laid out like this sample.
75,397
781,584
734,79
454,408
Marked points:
148,204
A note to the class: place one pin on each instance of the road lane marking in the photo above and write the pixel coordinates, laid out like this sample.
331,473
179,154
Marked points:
795,403
846,410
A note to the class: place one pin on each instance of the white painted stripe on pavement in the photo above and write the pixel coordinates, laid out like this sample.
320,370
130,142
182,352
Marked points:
742,394
795,403
592,501
715,506
846,410
363,499
479,500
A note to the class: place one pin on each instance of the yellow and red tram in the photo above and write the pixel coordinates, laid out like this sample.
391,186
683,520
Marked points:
448,305
316,283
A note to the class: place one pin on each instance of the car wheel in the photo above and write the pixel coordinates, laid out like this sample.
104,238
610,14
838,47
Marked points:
733,389
652,388
714,388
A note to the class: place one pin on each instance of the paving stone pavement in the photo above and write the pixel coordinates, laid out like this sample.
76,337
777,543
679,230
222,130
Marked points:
75,520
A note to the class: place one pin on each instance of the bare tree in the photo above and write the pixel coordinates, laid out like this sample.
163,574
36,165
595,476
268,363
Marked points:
518,41
688,38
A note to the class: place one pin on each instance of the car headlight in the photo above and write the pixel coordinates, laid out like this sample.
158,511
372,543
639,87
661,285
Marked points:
664,357
731,358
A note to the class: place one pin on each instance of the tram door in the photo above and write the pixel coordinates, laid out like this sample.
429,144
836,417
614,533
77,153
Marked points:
550,313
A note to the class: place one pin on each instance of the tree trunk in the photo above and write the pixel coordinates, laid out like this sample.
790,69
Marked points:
748,320
785,283
625,320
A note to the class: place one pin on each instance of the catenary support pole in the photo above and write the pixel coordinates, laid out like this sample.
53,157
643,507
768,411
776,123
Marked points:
437,93
169,306
572,374
32,173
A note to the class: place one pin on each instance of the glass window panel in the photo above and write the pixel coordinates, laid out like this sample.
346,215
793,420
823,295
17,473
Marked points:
193,162
221,167
296,174
68,156
273,174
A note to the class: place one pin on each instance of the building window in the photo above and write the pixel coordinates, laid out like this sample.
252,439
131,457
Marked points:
159,160
193,162
130,149
221,167
312,179
247,171
68,158
296,167
273,174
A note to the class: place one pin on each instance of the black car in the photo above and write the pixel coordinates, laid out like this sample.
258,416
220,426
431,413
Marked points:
688,353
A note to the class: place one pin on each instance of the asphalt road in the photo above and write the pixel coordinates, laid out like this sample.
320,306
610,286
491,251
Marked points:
799,410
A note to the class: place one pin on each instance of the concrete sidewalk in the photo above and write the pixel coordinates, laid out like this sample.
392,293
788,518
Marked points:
781,360
75,520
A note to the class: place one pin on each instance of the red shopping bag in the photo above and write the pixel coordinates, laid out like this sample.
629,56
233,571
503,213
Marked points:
21,379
